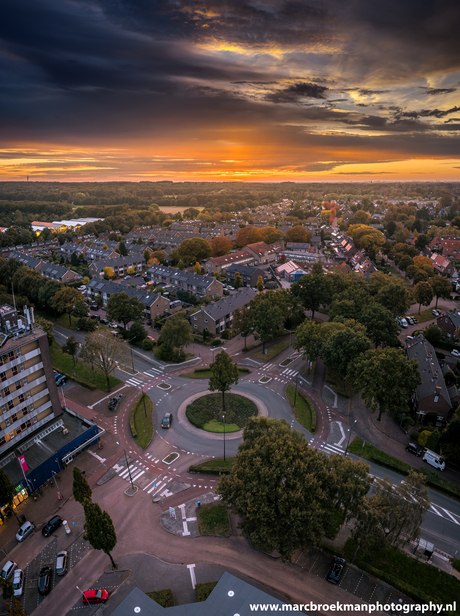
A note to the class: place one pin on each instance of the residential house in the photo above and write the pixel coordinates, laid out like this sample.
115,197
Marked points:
69,248
187,281
94,253
31,262
120,265
442,265
156,305
262,252
449,323
249,274
217,316
219,264
432,395
59,273
291,271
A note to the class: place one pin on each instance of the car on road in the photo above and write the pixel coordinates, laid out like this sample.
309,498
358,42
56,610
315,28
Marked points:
455,353
166,421
51,526
18,582
44,580
26,529
8,569
336,571
62,380
151,338
414,448
97,595
61,563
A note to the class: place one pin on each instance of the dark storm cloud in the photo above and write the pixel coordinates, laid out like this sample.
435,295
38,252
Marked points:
297,91
437,91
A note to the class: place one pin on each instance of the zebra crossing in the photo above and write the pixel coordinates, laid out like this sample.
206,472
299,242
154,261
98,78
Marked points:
134,381
153,372
332,448
290,373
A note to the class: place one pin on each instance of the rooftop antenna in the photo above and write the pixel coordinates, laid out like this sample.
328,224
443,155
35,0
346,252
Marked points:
14,301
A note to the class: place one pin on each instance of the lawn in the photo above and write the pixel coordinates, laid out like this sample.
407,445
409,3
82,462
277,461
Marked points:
206,374
272,351
80,373
213,467
215,425
238,409
213,520
424,316
304,410
419,580
140,420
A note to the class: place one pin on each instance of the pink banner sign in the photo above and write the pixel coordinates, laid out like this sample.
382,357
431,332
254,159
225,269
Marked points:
22,462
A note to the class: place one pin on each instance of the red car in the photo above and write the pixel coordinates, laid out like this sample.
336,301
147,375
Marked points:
98,595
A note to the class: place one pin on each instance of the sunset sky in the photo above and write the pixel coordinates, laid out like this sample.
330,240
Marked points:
260,90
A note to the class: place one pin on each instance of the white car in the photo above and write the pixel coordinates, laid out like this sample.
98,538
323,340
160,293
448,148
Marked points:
455,353
26,529
18,582
8,569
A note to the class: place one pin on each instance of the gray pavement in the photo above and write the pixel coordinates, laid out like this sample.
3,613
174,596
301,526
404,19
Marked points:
183,520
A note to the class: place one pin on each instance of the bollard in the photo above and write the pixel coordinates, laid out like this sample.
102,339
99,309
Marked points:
198,503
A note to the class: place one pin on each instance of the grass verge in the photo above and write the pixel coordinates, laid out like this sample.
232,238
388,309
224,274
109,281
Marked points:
433,480
206,374
202,591
80,373
418,580
424,316
162,597
213,520
140,420
304,410
238,409
217,426
272,351
213,467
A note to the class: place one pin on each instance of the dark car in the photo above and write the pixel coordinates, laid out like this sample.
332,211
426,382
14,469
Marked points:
415,449
149,321
338,567
166,421
62,380
94,307
95,316
44,580
51,526
103,321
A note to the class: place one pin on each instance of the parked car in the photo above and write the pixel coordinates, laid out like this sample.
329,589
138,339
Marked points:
127,277
112,324
415,449
166,421
61,563
18,582
338,567
62,380
44,580
94,307
455,353
26,529
149,321
51,526
435,313
95,316
403,323
151,338
434,459
103,321
57,376
8,569
98,595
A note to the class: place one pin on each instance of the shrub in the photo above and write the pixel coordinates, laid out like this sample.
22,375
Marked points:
147,345
226,334
423,438
202,591
430,419
86,325
162,597
409,421
216,342
433,440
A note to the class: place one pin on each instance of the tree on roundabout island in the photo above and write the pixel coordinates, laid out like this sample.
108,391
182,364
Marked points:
224,373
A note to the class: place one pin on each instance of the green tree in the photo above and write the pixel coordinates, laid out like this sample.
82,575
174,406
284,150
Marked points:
65,300
71,347
347,485
434,334
124,309
394,297
276,483
309,340
449,441
441,287
313,290
80,487
380,324
238,281
260,284
224,374
80,310
393,514
137,333
342,348
386,380
195,249
122,249
146,255
47,327
240,322
423,294
405,262
266,316
103,351
176,332
7,491
99,529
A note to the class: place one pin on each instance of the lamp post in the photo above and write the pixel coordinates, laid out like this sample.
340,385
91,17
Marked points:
349,436
57,487
127,464
143,399
223,421
290,343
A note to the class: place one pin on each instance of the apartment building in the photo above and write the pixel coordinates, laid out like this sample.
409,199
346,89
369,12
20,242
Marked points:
28,392
217,317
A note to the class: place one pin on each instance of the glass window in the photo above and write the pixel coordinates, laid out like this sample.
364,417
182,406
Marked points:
8,421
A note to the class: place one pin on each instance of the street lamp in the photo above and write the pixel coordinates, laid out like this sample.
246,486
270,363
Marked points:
349,436
57,487
223,421
143,399
127,464
290,343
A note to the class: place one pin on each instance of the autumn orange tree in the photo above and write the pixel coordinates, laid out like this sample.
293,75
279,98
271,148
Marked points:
221,246
248,235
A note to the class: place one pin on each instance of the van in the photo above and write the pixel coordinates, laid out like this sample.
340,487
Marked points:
434,459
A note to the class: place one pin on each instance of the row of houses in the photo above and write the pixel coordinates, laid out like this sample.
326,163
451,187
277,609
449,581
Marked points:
48,270
197,285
